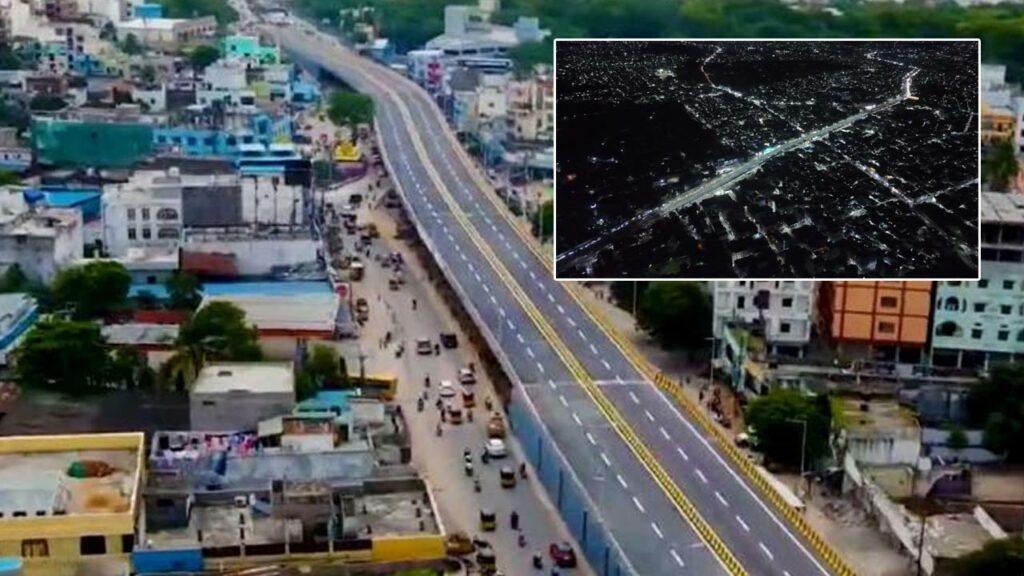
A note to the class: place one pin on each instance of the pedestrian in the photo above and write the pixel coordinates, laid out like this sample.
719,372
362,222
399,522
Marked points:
413,303
387,336
514,520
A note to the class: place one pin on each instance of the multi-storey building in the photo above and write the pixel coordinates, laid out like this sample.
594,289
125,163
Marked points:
978,323
531,109
69,504
785,308
890,318
1002,108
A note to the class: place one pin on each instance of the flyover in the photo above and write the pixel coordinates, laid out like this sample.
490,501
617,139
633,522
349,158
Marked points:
672,500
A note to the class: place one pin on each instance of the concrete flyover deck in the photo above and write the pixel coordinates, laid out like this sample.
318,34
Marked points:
674,502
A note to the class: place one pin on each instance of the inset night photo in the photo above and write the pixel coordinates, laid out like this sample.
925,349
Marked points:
766,159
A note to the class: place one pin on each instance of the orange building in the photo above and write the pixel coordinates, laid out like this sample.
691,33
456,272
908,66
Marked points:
891,318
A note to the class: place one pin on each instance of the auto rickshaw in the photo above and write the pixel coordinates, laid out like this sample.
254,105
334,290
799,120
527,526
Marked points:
508,477
488,520
486,560
454,415
468,399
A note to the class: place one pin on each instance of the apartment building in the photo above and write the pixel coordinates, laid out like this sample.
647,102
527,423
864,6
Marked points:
784,307
888,320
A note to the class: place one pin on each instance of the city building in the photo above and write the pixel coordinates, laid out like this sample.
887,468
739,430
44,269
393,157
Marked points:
169,34
467,32
238,395
287,324
146,212
154,341
1002,108
40,240
69,504
980,323
226,81
14,157
531,109
890,319
784,308
248,48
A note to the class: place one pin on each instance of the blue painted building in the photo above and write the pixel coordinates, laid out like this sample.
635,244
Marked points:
18,312
190,141
154,11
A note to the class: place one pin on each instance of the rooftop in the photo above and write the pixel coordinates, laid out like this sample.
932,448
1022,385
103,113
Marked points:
252,377
294,312
151,23
42,476
141,334
862,418
1002,208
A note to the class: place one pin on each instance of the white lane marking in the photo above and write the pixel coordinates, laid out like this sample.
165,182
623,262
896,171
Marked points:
511,326
463,256
664,434
560,309
519,336
785,573
593,349
562,400
703,478
739,481
529,352
672,553
604,457
639,506
607,366
683,454
501,311
532,275
633,397
742,523
766,551
721,498
618,379
571,322
590,438
540,367
552,384
577,419
622,481
477,277
582,335
550,297
486,289
649,415
657,530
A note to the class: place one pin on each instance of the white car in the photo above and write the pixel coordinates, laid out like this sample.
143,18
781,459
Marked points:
495,448
466,376
446,389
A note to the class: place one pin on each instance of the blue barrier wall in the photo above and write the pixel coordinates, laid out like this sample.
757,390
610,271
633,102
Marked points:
563,489
162,561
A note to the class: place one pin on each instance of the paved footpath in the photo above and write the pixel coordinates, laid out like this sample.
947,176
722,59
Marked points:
440,459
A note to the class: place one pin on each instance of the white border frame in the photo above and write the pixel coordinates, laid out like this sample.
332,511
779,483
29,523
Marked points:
554,143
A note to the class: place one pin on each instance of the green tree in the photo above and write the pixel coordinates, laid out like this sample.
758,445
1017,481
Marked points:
62,355
14,115
1000,167
202,56
1005,556
676,314
957,439
8,178
46,103
546,221
777,419
219,9
9,60
623,292
92,290
997,404
217,332
525,57
14,280
128,368
183,291
131,45
349,108
148,74
321,371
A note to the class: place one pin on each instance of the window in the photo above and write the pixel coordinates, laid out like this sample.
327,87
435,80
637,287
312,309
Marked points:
1006,309
787,302
131,213
127,543
191,140
784,327
888,302
35,548
983,283
741,301
131,233
92,545
1003,335
1008,284
952,304
979,306
167,214
886,328
145,213
147,233
976,333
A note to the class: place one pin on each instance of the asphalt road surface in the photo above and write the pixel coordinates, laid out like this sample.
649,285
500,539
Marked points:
645,523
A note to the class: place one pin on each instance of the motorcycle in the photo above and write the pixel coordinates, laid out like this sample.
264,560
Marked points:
419,405
469,468
538,562
439,431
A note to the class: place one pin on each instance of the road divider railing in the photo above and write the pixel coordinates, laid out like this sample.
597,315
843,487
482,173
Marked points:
674,390
639,449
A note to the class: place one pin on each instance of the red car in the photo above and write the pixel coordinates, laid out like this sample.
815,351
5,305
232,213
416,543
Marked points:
563,555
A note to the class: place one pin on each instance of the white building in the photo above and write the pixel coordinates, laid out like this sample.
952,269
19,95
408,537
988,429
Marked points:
237,395
168,33
998,98
41,240
153,98
226,81
788,310
531,109
492,97
145,212
467,32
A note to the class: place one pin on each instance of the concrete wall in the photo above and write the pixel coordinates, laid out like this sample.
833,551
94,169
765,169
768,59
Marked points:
236,410
256,257
884,451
